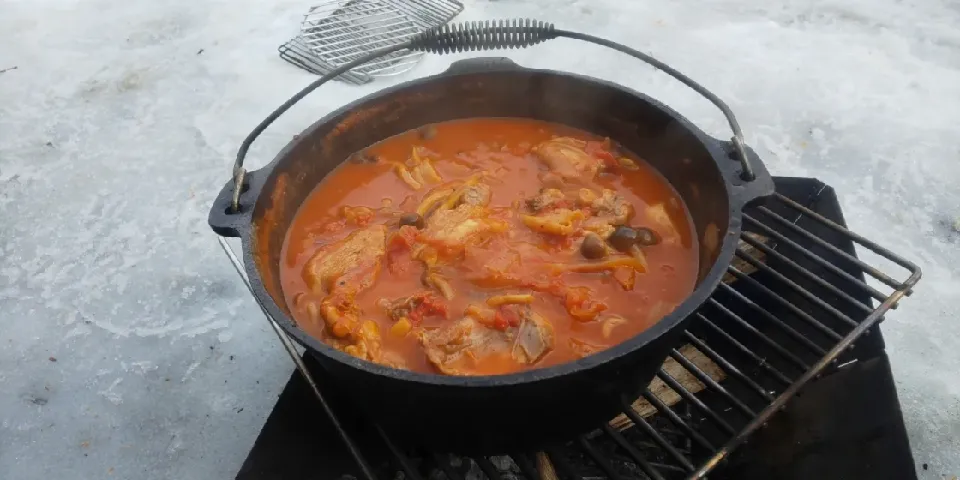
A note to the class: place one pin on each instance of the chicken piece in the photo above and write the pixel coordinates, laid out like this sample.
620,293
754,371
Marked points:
600,226
342,269
566,157
366,342
610,323
586,197
454,194
399,250
421,169
359,216
464,347
582,348
658,215
393,360
535,337
349,265
476,195
508,264
625,276
451,348
340,314
612,207
573,142
546,199
492,268
453,230
479,193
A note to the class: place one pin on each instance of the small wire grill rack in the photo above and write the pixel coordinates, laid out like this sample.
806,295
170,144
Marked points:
337,32
790,310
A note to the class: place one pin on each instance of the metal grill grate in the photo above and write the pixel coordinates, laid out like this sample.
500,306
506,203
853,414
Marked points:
790,310
298,53
337,32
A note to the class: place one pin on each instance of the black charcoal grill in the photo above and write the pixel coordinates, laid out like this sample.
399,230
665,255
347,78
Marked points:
795,313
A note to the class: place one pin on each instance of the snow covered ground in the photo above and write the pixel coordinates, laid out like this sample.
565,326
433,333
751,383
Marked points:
120,121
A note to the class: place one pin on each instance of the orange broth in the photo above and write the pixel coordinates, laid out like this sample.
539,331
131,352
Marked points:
501,147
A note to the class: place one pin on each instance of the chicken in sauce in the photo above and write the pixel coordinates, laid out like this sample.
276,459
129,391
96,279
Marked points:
487,247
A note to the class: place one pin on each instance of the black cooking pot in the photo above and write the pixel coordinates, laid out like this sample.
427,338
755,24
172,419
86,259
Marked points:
520,410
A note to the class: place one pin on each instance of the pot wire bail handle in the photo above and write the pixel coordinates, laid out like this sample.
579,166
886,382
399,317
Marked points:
490,35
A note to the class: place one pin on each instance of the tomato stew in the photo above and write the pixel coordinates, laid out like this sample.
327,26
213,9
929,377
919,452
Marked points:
487,246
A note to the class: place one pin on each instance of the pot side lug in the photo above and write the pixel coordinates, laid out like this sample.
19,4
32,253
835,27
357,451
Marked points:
481,64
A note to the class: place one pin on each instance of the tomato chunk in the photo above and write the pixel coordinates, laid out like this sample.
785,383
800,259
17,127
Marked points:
506,317
427,305
580,304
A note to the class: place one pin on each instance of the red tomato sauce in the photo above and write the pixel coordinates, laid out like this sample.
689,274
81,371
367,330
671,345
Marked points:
585,310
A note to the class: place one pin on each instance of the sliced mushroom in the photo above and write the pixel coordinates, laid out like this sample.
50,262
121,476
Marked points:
623,238
647,237
412,219
593,247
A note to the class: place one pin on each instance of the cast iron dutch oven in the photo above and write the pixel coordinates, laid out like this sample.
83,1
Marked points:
715,178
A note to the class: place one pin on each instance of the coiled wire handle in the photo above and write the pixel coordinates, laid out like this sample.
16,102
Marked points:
488,35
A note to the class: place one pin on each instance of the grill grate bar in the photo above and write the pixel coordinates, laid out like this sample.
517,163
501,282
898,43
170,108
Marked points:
746,351
488,469
345,37
860,239
433,12
673,416
408,469
425,13
711,383
783,240
392,61
526,466
797,288
560,464
784,303
773,320
376,17
776,347
345,40
873,272
691,399
443,461
667,468
299,54
807,274
727,366
639,457
654,434
598,459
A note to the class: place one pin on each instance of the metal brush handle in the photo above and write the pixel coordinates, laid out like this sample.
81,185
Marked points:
488,35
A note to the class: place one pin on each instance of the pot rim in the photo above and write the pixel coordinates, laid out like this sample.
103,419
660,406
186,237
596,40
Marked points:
738,194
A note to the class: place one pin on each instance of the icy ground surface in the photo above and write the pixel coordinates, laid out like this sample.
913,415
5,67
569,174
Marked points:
120,123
